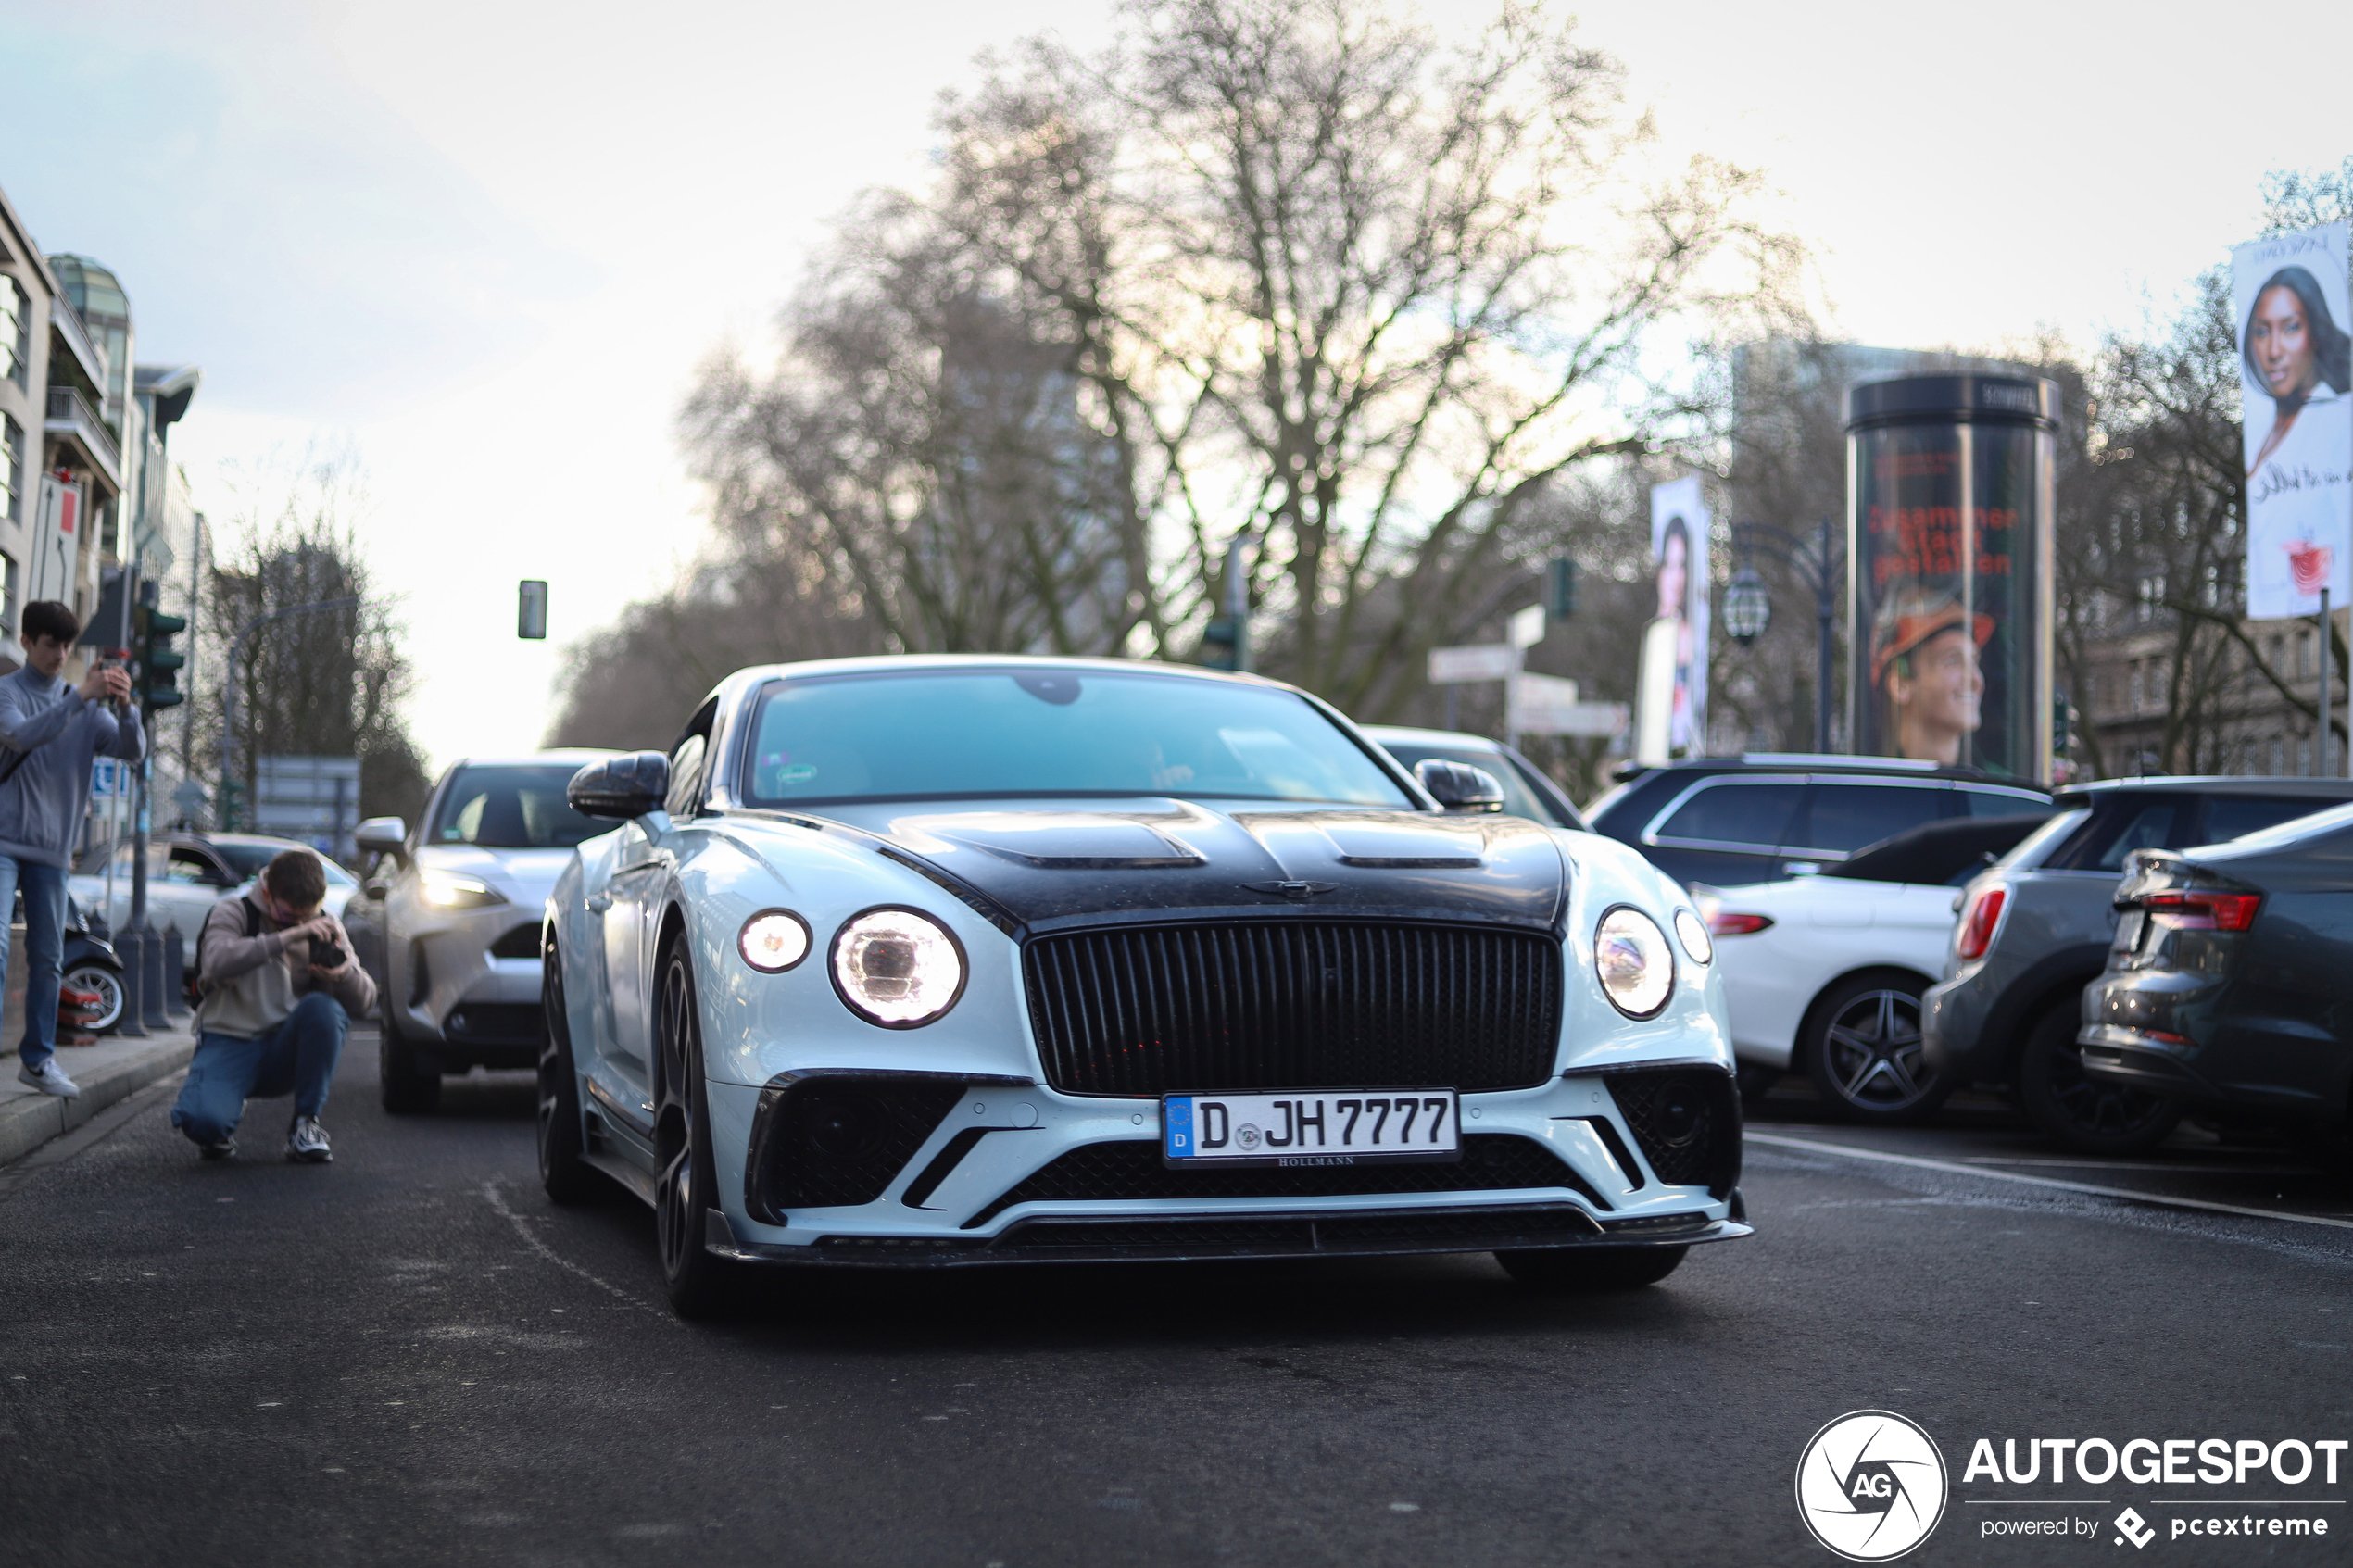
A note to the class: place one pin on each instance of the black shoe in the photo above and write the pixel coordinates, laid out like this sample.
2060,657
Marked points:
307,1142
219,1149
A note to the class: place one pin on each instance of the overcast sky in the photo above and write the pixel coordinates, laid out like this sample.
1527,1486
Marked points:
484,245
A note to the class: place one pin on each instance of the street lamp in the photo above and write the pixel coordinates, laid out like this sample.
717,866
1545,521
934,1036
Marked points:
1748,609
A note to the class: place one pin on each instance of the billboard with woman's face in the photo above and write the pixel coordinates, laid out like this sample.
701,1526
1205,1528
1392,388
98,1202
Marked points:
2296,368
1679,547
1949,477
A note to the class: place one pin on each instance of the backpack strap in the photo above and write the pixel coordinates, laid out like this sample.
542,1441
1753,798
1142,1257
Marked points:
253,928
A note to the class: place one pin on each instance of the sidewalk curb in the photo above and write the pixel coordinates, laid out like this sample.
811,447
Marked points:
27,1122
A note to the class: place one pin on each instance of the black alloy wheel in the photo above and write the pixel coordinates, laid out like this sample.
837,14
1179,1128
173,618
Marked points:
1864,1052
411,1084
2083,1114
106,986
1592,1267
699,1285
567,1178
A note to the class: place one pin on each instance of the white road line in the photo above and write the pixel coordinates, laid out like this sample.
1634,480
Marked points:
523,1229
1987,1174
2176,1167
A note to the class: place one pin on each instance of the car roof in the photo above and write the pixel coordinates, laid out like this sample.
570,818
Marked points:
2212,784
516,758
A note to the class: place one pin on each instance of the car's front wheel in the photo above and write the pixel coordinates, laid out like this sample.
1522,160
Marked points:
2080,1112
567,1178
1591,1268
699,1284
411,1084
1864,1052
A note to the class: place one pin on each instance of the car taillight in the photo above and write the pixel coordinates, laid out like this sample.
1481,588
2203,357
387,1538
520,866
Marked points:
2193,911
1725,923
1977,926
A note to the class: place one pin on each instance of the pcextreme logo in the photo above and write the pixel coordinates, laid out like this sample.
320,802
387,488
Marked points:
1870,1485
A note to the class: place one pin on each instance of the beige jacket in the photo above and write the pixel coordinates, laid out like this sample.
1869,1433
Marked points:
251,983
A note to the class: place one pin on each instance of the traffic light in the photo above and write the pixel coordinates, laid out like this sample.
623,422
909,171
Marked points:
2060,716
158,684
1560,588
1217,644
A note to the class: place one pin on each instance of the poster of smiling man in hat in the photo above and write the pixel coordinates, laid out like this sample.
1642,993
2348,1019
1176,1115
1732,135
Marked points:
1925,648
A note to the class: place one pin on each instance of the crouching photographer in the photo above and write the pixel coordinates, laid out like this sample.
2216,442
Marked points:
277,986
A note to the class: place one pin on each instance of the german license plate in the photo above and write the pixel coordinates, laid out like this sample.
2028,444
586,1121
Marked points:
1310,1128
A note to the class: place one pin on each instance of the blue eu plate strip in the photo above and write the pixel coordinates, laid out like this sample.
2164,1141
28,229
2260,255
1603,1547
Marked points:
1176,1128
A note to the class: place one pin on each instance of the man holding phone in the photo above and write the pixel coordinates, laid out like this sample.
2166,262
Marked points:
279,985
50,730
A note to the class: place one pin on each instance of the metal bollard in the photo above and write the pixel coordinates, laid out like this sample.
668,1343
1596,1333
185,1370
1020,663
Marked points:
175,971
151,978
132,951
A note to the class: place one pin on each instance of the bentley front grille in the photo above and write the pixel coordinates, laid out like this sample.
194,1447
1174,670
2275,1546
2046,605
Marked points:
1147,1011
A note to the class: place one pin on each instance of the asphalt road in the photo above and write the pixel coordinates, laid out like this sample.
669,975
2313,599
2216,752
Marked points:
408,1357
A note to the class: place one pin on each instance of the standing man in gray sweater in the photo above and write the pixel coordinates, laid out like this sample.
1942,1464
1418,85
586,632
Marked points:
49,732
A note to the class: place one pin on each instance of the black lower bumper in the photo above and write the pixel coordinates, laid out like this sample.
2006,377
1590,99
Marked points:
1177,1238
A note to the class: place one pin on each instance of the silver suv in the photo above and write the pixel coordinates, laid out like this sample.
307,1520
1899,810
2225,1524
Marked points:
448,918
2034,930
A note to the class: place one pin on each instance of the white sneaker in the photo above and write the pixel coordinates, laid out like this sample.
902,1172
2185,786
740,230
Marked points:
307,1142
50,1079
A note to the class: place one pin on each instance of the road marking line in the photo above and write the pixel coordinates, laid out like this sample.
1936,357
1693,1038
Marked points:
2178,1170
1950,1168
523,1229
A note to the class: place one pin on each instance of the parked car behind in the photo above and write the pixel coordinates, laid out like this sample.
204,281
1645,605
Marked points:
1527,792
448,920
1727,821
187,873
2229,983
1824,973
2035,929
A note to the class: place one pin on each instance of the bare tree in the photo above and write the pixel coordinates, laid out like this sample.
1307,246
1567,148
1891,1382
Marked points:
329,683
1283,269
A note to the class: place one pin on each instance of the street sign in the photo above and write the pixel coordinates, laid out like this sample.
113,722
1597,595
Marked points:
109,778
1545,704
1527,627
1478,662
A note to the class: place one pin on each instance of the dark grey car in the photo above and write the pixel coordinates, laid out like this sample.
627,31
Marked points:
2034,930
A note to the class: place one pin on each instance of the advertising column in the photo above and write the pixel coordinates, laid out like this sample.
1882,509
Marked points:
1949,499
2296,366
1672,709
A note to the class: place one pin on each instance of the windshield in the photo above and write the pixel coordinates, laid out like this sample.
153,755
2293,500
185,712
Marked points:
950,735
247,859
510,807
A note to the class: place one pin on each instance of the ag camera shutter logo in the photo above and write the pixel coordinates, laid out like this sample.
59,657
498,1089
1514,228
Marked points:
1870,1485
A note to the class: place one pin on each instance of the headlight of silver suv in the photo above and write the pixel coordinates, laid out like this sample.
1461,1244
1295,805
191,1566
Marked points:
448,890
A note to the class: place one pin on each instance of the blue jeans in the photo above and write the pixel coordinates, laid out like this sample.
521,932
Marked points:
298,1057
45,942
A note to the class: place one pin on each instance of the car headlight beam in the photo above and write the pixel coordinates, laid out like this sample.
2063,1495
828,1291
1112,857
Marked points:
897,968
448,890
773,940
1633,963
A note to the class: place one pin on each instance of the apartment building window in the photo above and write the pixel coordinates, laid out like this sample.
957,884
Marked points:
2136,688
8,595
11,466
15,331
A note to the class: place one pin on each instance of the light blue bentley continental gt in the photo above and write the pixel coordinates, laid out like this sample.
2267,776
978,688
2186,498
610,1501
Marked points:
936,961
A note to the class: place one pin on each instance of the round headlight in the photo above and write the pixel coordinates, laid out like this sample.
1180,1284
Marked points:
1630,957
1693,931
897,968
772,940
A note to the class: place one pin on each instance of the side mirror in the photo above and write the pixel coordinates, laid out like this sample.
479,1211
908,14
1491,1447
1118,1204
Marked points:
1459,787
621,787
382,835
